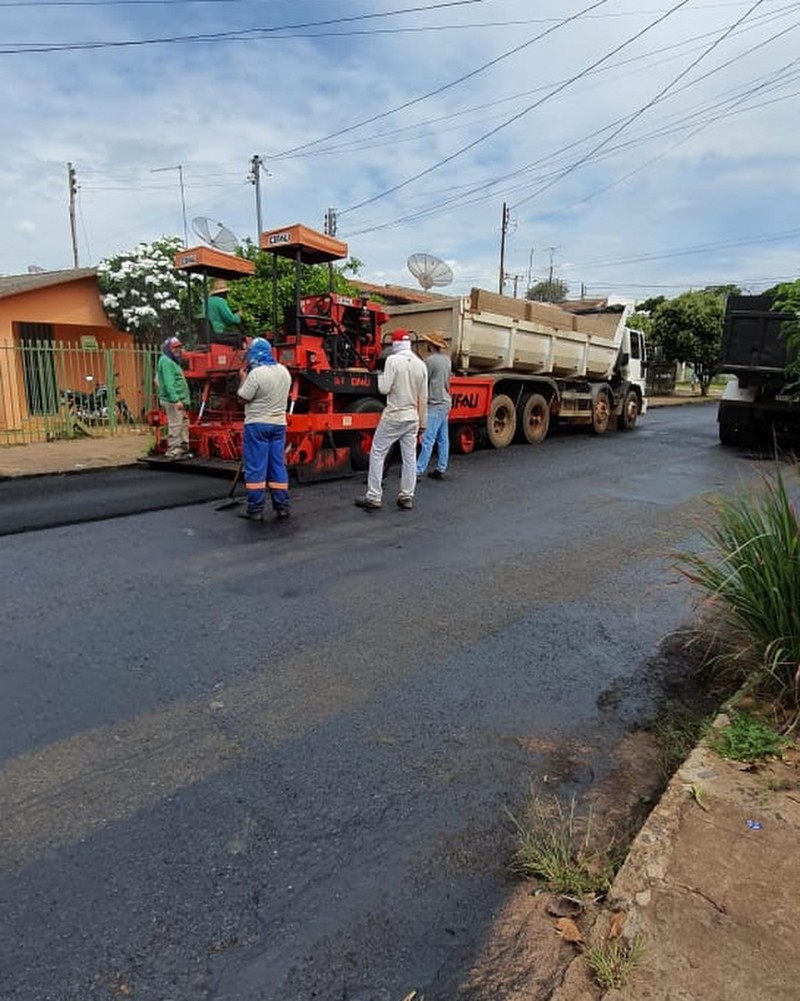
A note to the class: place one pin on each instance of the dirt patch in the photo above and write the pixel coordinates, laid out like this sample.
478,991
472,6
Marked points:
525,957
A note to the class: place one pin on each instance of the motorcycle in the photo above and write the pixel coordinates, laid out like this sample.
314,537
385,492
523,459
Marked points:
92,407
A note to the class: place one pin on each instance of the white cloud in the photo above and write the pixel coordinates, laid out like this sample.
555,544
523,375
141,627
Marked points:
655,189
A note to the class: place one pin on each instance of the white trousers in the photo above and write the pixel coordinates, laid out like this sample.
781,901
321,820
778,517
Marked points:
386,434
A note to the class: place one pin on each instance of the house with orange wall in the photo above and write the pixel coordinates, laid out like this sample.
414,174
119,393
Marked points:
54,338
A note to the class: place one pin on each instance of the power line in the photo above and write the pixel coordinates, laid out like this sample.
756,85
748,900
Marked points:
231,35
525,111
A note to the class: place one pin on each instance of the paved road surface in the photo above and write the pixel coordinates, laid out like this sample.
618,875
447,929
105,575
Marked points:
252,763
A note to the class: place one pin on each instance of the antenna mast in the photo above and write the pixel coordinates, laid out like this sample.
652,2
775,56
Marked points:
73,188
255,178
503,231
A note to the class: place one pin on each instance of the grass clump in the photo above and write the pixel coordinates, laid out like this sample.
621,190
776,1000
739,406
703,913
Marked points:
753,572
554,847
746,738
677,733
612,962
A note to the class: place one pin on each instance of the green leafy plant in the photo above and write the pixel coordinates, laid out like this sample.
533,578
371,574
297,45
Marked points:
677,733
554,847
753,571
746,738
612,962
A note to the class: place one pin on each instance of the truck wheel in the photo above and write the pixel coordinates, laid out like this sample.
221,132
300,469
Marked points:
630,411
502,421
601,413
534,419
360,442
729,435
463,439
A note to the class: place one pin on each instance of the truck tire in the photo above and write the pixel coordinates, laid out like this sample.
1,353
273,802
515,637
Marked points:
360,442
501,424
601,413
630,411
463,439
533,419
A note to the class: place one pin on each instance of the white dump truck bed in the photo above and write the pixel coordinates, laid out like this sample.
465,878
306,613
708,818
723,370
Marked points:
492,333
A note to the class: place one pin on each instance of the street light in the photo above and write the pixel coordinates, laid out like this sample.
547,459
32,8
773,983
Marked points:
179,168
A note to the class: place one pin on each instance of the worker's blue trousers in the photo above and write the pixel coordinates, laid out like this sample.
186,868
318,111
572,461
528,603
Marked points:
265,466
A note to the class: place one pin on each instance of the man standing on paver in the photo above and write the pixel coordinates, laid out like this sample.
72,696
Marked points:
174,397
404,383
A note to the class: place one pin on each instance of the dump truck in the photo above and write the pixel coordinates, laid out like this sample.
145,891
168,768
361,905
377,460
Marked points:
520,366
756,407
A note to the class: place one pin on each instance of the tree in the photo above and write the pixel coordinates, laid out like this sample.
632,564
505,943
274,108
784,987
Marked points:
142,292
787,300
549,290
689,329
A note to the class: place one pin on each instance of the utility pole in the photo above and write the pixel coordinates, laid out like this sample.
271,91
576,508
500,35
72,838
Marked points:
530,270
503,231
330,230
550,275
255,178
73,190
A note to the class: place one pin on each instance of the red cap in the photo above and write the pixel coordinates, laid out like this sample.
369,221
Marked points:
401,335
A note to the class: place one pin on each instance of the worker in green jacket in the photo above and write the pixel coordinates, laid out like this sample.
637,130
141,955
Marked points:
225,324
174,397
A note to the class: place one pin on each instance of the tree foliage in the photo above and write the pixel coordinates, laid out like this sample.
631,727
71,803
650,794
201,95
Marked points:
548,290
689,329
787,300
144,294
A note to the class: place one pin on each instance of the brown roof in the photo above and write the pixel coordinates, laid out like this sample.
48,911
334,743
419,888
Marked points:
396,295
19,284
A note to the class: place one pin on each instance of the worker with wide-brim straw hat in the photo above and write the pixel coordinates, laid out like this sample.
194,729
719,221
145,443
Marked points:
439,369
436,338
224,323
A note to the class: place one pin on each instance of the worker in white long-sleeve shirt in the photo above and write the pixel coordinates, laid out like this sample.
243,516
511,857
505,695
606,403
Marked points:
404,382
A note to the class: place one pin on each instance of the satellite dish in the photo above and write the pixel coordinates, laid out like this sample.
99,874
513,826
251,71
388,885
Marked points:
429,270
34,269
215,234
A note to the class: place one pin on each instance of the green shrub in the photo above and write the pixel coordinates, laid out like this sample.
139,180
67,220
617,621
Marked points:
753,569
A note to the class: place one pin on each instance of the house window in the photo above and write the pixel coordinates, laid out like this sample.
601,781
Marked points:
38,367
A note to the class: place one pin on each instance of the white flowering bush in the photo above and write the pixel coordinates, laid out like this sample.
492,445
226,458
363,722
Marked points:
143,293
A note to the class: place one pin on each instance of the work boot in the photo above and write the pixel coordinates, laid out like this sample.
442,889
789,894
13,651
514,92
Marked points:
406,503
252,514
282,513
436,474
367,504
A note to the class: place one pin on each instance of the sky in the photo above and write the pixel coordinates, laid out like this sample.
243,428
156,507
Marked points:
627,147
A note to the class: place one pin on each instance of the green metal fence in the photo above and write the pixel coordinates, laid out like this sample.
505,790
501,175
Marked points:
52,389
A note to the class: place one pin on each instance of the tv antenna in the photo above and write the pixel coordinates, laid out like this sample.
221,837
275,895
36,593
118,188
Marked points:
429,270
215,234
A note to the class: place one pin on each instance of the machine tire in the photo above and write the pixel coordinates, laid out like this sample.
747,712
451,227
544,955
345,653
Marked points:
630,411
601,413
501,424
533,421
729,435
359,442
463,439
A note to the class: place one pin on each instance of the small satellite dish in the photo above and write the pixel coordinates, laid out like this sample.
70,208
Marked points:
215,234
429,270
34,269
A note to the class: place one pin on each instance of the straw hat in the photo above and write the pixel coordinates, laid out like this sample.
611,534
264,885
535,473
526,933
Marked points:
219,287
436,338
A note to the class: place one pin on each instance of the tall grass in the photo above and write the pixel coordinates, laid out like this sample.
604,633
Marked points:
753,572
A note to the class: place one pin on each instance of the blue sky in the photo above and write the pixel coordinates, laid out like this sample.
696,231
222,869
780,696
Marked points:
641,146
